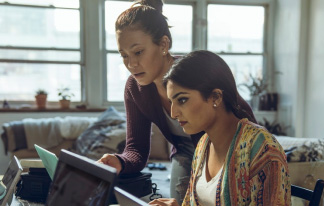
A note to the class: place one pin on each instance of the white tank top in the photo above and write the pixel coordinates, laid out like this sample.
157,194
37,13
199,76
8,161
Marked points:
206,191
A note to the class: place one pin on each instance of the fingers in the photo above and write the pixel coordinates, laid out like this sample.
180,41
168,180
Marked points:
111,160
164,202
104,159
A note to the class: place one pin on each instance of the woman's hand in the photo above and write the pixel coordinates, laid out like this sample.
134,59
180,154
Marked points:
164,202
112,161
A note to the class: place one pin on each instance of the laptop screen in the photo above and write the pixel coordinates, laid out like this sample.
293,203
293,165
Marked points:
126,199
81,181
48,158
10,179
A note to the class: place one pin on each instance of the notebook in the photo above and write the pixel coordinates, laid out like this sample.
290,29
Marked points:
126,199
10,179
48,158
80,181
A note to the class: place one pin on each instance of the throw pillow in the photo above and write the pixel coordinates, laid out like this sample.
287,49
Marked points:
106,135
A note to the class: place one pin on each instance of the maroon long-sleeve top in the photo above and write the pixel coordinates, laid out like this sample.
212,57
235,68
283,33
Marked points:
143,106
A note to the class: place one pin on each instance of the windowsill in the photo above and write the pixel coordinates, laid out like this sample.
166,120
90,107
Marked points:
35,110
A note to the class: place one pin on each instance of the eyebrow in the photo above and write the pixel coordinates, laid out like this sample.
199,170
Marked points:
177,94
132,46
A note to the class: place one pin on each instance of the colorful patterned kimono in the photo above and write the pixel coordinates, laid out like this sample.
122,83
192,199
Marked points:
255,171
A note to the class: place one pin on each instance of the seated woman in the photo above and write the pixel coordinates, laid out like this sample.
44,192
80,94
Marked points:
236,162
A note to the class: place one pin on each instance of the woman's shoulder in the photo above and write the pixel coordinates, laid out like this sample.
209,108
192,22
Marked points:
257,135
260,140
252,129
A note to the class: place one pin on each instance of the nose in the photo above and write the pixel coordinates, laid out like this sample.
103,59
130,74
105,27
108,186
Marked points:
132,62
174,112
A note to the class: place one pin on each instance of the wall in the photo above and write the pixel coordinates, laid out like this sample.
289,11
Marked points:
314,96
299,56
287,60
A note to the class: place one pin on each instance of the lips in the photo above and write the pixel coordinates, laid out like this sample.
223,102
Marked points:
182,123
139,74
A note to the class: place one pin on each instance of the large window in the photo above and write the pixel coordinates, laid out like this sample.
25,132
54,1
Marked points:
49,44
181,31
39,48
236,33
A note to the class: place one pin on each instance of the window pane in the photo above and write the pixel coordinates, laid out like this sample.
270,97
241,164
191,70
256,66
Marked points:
38,27
20,81
40,55
235,28
113,9
117,75
56,3
242,66
181,30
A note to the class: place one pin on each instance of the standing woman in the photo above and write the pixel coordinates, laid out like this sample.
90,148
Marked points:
236,162
144,41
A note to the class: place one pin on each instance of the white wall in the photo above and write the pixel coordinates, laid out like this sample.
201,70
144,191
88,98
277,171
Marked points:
314,96
299,55
288,40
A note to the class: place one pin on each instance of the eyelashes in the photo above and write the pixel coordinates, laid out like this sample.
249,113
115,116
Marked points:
182,100
136,54
139,52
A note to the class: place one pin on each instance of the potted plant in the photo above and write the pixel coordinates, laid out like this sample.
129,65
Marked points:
274,127
257,86
41,98
65,94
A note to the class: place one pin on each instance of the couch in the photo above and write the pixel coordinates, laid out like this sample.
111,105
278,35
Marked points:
104,134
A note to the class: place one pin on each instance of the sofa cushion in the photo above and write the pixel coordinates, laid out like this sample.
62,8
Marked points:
106,135
302,149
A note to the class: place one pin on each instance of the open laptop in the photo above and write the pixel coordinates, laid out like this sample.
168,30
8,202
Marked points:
10,179
80,181
48,158
126,199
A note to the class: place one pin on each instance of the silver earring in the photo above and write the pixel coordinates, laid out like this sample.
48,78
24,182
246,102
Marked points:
163,52
215,105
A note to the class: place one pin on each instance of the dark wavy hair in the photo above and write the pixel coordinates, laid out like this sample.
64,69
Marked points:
205,71
146,17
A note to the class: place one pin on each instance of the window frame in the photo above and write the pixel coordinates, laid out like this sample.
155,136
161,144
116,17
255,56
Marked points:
200,32
81,50
93,62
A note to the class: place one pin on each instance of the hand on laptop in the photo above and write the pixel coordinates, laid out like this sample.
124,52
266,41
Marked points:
112,161
164,202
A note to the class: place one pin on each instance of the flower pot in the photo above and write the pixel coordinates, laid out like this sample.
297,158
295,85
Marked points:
41,100
65,104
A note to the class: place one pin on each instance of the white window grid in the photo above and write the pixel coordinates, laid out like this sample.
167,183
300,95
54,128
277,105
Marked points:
98,80
48,49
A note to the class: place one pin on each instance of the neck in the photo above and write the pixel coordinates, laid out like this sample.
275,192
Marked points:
222,134
168,61
166,65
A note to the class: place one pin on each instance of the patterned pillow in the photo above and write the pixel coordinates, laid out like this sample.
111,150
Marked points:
106,135
308,152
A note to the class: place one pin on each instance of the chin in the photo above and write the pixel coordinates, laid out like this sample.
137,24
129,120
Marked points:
143,83
190,131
